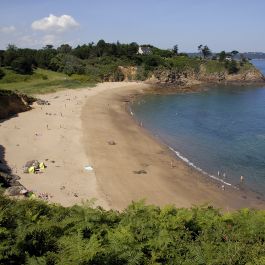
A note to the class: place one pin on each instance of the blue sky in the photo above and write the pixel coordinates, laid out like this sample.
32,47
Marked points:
222,25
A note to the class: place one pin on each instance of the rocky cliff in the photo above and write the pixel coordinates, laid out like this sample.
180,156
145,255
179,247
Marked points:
12,103
190,77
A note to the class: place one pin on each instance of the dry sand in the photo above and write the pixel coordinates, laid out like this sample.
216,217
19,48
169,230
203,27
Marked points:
81,125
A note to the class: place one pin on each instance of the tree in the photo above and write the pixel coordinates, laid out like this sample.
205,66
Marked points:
234,53
222,56
2,52
132,49
2,73
22,65
64,48
44,56
152,61
231,67
101,46
48,47
200,47
83,52
10,54
176,49
204,50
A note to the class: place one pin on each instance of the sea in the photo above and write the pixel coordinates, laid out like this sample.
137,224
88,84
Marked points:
219,131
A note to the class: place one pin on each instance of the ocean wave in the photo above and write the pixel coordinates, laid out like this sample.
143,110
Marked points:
186,160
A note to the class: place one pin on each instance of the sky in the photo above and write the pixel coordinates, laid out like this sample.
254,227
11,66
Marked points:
220,24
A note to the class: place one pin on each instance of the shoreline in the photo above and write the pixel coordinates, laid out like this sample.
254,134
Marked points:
205,190
92,127
198,88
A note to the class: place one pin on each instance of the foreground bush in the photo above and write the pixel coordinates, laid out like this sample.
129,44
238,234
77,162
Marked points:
33,232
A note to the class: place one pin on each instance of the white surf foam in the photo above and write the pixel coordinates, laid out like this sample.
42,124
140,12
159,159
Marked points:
186,160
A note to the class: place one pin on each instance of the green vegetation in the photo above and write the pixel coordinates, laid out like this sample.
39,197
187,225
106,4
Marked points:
214,67
33,232
205,51
49,69
232,67
41,81
183,63
2,73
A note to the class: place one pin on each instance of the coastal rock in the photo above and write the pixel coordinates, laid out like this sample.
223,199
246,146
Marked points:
42,102
16,190
129,72
190,77
13,103
8,179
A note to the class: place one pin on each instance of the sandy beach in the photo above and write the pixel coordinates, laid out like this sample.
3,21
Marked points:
92,127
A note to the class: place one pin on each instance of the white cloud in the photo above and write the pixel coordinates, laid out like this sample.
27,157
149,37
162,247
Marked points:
49,39
54,23
7,29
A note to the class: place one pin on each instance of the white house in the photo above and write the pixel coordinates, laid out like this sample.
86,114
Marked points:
143,50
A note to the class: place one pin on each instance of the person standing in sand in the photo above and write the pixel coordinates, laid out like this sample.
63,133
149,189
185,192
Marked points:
241,179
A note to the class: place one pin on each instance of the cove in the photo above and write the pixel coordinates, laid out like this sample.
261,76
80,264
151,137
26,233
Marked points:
220,130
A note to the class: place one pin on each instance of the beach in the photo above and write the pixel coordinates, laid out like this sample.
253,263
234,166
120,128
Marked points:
92,127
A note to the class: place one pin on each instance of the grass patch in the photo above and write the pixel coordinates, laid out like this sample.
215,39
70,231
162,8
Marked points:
42,81
246,67
214,67
183,63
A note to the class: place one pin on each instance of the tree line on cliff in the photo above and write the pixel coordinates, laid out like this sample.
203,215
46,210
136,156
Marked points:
102,60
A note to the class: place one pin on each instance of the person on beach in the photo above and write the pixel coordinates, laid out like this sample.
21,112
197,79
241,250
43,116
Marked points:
241,179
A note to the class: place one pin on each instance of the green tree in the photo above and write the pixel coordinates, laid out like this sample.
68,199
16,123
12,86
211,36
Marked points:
206,52
234,53
2,52
44,56
2,73
176,49
132,49
64,48
84,52
152,61
231,67
200,47
222,56
10,54
101,46
22,65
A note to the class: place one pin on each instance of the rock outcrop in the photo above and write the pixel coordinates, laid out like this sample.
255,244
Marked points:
129,72
13,103
190,77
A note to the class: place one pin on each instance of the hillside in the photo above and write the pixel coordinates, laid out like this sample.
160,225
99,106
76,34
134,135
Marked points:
49,69
41,81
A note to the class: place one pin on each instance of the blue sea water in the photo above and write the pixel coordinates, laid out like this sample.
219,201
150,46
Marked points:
220,129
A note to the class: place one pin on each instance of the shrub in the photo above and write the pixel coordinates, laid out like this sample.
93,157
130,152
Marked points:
231,67
22,65
2,73
33,232
152,61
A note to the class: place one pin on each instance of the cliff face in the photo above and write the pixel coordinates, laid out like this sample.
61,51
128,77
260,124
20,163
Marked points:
250,75
12,103
190,77
129,73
